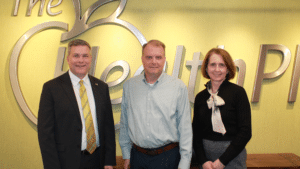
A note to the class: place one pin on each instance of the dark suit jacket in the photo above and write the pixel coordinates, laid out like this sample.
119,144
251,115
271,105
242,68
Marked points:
60,127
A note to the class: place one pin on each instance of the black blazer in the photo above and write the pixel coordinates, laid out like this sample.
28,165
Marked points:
60,127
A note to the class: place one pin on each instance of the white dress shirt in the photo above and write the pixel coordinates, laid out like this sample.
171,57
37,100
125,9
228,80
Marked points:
76,86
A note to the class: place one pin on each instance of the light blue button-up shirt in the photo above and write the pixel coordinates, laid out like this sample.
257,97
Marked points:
156,115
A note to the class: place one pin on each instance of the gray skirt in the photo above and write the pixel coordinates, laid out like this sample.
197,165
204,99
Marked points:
214,149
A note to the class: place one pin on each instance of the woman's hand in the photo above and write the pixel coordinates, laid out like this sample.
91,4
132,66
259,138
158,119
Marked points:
218,165
208,165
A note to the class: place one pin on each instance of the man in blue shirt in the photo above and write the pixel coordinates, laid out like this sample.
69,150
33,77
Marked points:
156,127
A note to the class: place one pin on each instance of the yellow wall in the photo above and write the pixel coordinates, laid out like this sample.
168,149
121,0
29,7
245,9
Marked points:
242,26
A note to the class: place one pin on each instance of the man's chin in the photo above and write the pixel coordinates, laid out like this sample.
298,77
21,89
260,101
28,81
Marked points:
155,73
81,73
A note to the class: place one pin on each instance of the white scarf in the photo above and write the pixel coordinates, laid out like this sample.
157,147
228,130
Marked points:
213,102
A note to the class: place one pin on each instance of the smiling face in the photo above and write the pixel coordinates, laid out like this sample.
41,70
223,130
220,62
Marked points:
216,68
79,60
153,60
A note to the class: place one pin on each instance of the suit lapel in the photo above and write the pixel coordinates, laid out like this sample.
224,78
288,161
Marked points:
68,88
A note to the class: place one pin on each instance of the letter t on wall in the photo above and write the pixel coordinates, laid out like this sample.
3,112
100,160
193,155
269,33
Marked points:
195,63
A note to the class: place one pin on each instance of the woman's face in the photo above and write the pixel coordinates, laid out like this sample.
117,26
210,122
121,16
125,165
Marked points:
216,68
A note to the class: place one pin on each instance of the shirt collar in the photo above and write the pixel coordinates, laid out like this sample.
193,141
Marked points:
75,80
161,77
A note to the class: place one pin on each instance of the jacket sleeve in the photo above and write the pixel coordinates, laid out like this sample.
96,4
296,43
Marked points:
244,127
46,121
198,135
110,140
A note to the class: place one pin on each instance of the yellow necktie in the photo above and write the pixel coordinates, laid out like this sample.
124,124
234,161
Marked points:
89,125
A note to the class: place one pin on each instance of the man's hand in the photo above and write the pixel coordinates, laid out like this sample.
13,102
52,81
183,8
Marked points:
208,165
126,163
108,167
218,165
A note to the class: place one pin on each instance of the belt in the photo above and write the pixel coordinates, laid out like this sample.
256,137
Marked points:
85,152
155,151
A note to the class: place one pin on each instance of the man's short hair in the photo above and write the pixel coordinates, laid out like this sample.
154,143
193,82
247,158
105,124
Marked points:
77,42
155,43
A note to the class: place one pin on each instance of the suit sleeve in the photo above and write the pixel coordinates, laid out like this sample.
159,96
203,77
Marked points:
46,121
110,140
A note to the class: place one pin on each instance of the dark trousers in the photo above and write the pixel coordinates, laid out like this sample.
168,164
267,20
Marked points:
90,161
167,160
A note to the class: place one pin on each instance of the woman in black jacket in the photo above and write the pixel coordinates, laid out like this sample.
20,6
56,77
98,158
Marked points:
222,116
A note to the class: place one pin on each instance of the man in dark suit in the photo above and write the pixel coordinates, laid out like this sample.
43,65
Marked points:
75,120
